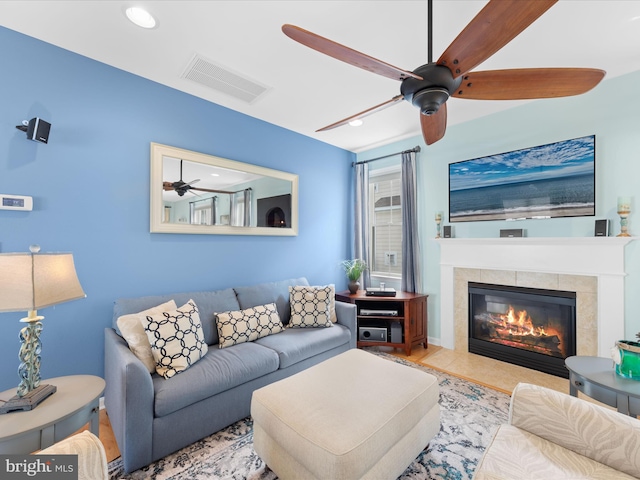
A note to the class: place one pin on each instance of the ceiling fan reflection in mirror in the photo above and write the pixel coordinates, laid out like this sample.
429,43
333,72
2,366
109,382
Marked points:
181,187
429,86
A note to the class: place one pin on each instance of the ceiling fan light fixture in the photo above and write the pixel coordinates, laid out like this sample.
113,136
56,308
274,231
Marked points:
430,100
140,17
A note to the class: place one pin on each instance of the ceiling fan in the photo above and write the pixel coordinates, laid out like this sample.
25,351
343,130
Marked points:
181,187
429,86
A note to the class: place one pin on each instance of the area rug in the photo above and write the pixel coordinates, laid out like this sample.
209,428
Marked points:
469,415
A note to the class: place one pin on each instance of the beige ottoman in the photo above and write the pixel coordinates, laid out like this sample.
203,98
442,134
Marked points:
353,416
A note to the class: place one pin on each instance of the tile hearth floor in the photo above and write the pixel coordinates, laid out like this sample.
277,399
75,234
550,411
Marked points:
492,373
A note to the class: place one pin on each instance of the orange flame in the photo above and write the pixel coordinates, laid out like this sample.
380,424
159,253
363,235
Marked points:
520,323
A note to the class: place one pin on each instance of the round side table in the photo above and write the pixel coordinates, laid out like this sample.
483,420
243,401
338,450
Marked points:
72,406
596,378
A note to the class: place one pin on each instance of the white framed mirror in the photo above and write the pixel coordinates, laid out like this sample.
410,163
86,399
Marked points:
197,193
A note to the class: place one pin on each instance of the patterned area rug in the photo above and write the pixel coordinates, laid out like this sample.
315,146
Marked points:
469,414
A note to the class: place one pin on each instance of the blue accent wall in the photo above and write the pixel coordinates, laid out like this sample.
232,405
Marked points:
90,186
611,111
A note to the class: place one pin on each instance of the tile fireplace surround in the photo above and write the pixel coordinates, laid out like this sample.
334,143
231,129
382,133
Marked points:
593,267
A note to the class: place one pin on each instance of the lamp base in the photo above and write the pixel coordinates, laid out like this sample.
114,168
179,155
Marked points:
29,401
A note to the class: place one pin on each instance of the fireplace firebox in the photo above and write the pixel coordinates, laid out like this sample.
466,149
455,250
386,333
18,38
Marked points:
530,327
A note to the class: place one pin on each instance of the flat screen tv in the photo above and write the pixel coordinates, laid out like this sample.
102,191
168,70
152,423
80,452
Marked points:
547,181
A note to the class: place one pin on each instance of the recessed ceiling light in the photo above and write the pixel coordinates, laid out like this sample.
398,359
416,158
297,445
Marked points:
215,174
140,17
355,123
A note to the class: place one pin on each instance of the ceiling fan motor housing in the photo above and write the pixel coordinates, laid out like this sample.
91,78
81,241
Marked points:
180,187
430,93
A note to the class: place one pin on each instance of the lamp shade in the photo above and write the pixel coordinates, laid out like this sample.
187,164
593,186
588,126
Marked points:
30,281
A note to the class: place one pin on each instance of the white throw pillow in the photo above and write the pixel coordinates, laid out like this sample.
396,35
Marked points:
332,303
311,306
241,326
176,338
133,332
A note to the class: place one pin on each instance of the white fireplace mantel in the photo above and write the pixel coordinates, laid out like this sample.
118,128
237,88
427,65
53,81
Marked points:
602,257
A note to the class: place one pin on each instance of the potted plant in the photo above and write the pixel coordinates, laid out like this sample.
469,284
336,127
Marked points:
354,269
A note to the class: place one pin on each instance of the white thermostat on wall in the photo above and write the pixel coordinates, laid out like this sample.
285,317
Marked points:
15,202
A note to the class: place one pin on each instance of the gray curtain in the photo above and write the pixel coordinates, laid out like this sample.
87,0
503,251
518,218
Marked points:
410,245
362,230
247,207
234,217
241,218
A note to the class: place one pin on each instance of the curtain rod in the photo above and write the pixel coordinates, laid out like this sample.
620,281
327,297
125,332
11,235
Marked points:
415,149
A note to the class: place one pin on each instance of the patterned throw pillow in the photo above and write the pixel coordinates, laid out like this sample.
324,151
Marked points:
176,338
133,332
247,325
311,306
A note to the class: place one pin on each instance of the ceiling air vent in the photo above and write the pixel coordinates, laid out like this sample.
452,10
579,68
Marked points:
224,80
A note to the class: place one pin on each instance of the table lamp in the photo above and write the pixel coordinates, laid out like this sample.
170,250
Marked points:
29,282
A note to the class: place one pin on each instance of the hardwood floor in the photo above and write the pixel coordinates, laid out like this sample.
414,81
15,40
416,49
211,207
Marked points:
107,438
485,371
476,368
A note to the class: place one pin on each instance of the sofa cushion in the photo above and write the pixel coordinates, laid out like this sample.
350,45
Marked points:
570,422
133,332
296,344
310,306
208,304
275,292
176,339
247,325
219,370
516,453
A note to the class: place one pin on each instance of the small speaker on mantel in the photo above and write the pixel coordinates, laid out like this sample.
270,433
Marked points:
447,232
511,233
602,228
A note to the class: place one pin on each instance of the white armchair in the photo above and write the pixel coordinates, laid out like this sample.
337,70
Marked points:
92,460
554,435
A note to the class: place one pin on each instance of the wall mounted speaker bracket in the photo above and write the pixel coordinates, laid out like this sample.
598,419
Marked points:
36,129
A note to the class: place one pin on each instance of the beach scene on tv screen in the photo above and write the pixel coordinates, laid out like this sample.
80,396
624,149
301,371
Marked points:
546,181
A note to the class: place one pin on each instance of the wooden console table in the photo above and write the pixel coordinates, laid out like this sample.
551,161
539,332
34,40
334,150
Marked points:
411,313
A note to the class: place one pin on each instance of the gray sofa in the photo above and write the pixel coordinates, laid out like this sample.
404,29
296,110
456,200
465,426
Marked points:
153,417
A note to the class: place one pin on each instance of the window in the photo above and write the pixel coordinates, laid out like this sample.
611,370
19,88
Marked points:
203,211
385,214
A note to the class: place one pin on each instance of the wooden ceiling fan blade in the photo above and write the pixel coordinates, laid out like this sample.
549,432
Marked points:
346,54
528,83
208,190
366,113
434,126
499,22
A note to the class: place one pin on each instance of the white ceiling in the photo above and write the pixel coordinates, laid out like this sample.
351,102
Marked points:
308,90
